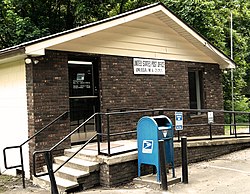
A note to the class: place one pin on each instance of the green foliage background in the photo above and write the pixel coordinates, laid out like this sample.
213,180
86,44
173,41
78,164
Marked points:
24,20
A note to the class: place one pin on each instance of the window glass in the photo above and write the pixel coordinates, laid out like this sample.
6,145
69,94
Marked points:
195,89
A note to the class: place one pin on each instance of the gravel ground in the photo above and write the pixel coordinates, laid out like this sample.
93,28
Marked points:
10,184
229,174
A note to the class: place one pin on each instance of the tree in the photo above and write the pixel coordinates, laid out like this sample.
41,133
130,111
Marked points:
15,29
93,10
211,19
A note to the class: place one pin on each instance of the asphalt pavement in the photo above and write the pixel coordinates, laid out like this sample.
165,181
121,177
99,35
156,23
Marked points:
228,174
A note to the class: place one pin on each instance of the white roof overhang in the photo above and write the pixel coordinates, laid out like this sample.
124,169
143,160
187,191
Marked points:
38,47
195,38
14,55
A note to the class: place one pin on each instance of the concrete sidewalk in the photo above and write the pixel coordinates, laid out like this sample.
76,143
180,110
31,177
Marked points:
228,174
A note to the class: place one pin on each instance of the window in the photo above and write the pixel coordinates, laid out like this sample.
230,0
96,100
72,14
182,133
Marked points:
195,89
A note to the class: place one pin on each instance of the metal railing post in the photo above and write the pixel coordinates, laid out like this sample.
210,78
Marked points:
62,116
184,160
230,123
23,173
98,129
108,135
234,121
210,131
48,160
162,158
16,166
249,122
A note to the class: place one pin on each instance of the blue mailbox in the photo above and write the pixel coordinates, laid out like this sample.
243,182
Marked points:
149,131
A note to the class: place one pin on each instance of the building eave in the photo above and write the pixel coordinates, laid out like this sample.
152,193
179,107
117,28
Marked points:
37,47
12,54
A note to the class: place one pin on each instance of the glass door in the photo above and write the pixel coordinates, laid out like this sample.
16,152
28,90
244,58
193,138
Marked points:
83,98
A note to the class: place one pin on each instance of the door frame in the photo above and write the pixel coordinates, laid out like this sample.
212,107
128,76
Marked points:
93,98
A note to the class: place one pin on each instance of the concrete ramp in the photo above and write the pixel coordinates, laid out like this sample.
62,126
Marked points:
150,181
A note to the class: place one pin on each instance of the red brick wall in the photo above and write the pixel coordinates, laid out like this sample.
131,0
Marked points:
121,88
47,98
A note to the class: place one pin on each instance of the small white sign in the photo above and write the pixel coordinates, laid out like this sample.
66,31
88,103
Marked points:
210,117
178,121
147,146
149,66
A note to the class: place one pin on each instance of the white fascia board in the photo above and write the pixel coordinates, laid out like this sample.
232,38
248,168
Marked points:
214,51
39,52
39,48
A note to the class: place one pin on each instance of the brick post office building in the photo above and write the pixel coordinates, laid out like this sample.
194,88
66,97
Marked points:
144,58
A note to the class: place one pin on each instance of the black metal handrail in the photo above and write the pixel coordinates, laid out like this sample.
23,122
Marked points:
61,141
49,162
63,115
125,111
109,134
48,154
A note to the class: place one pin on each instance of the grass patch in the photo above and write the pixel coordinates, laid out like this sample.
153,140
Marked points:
8,182
4,180
238,129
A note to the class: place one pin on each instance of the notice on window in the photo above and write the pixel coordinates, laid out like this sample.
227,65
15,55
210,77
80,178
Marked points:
149,66
81,84
80,76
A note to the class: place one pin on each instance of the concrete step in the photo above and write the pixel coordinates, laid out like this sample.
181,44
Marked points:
62,184
70,174
88,155
78,164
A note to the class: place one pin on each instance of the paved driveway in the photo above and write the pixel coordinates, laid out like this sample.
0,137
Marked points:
228,174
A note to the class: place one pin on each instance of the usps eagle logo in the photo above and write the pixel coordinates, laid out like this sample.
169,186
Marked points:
147,146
